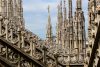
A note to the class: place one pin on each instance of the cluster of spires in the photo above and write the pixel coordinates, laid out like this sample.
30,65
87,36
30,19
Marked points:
70,31
13,10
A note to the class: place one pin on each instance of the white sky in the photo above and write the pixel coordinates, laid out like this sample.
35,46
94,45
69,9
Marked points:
35,14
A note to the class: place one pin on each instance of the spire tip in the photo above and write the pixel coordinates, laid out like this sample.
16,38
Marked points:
48,9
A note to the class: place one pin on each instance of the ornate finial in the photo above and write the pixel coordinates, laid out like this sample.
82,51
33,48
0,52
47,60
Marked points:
64,5
58,16
65,9
49,14
61,8
79,4
48,9
61,4
49,18
58,7
64,2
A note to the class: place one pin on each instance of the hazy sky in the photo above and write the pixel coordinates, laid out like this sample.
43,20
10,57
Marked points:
36,14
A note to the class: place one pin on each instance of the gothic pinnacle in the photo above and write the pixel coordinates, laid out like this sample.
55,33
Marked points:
61,4
79,4
58,12
49,19
61,7
49,29
70,10
49,26
48,9
64,10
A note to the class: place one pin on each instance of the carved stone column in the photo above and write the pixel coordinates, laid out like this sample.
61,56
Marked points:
19,37
56,59
44,54
11,31
22,39
6,27
1,24
31,46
